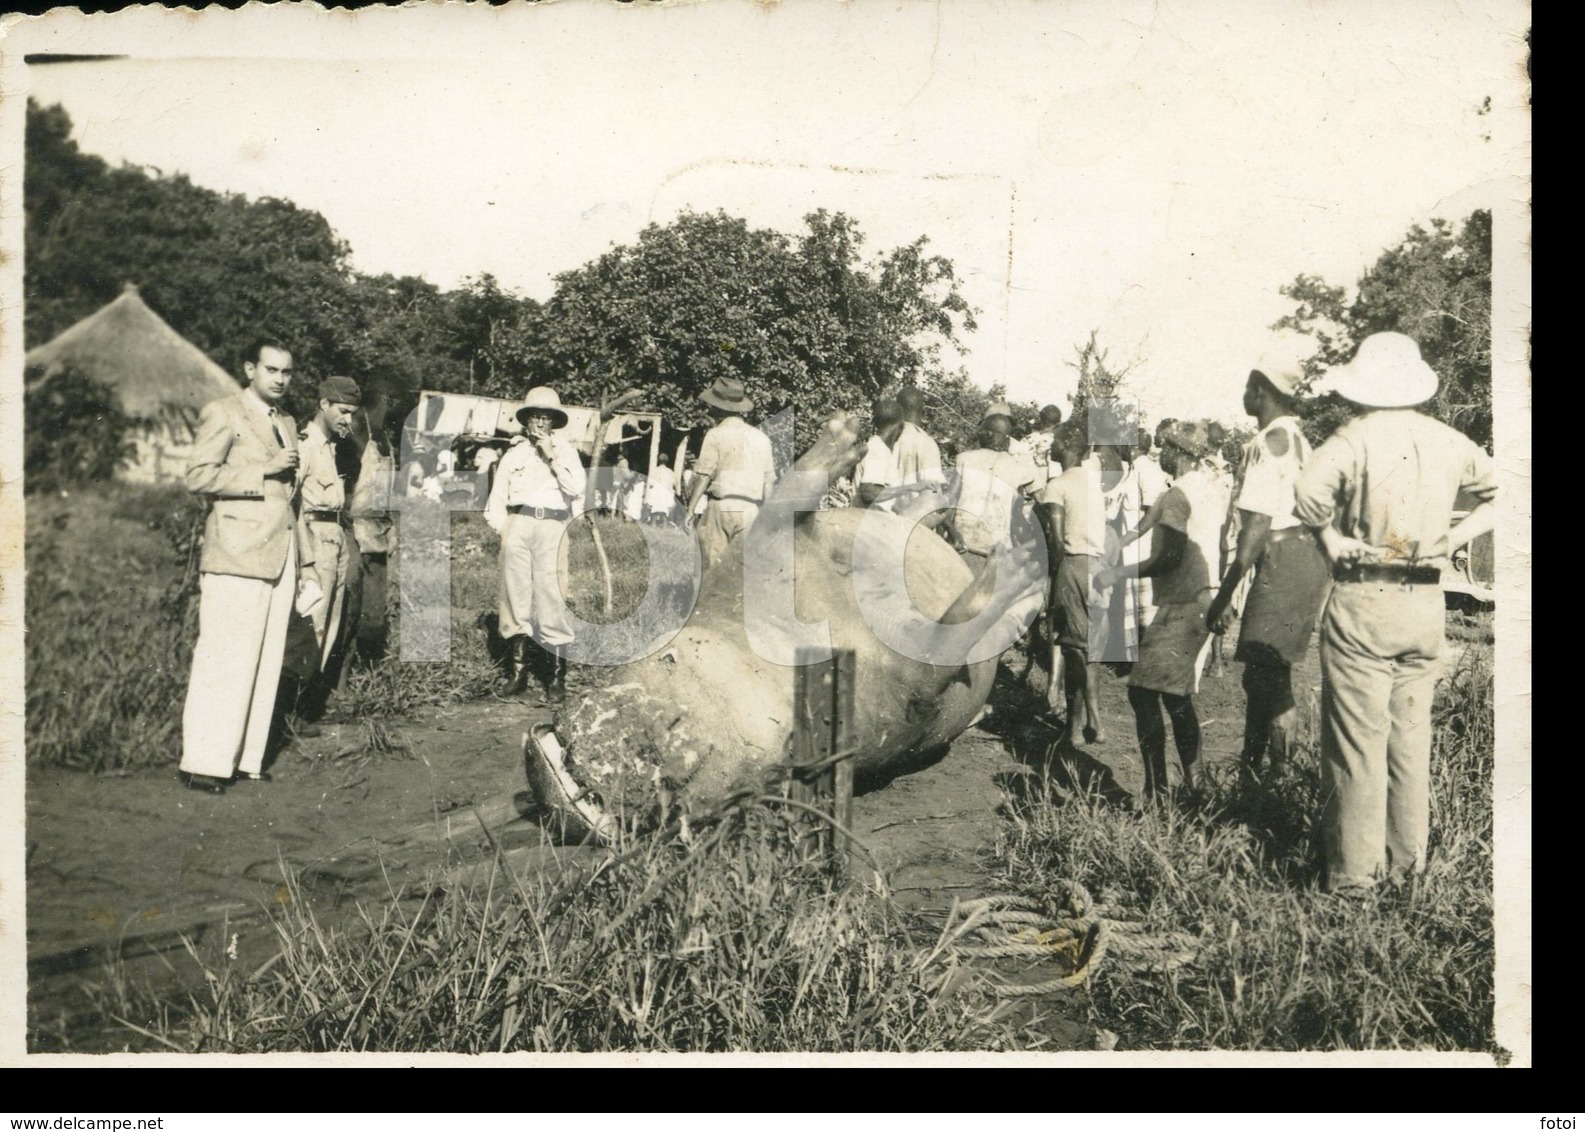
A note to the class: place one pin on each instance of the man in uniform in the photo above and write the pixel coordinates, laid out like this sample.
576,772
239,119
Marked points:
1380,493
536,483
326,550
244,463
1290,575
735,469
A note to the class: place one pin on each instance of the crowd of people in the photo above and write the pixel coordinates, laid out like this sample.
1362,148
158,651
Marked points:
1156,544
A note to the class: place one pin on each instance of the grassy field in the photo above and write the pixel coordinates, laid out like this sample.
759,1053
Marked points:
716,938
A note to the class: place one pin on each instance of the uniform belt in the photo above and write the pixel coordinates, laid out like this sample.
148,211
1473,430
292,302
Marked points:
541,512
327,517
1397,573
1288,533
744,498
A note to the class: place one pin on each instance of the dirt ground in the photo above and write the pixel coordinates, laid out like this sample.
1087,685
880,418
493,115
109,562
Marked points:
139,861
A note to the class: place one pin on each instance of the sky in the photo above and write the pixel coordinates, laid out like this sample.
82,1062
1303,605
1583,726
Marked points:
1151,171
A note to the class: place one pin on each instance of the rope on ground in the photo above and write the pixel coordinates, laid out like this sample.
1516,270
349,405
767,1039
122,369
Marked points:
1072,931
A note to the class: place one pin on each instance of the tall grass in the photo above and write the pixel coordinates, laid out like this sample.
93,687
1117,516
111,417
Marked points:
719,939
1281,965
111,619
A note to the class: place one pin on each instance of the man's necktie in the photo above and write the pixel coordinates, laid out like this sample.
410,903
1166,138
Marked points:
275,423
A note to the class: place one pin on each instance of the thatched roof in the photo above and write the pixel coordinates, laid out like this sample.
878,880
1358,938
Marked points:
153,371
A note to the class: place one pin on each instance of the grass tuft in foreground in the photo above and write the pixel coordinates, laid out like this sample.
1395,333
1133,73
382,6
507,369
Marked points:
721,941
1283,966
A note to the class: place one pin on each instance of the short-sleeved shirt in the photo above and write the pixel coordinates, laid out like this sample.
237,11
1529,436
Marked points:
1195,504
1273,460
1077,492
918,456
879,464
987,498
1153,480
739,457
1392,478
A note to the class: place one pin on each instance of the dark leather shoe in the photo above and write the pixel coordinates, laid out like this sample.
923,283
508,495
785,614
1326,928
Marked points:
203,783
302,729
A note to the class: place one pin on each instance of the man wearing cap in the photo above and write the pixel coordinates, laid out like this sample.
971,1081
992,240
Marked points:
990,479
1184,562
325,546
536,483
244,464
1380,493
1290,575
735,470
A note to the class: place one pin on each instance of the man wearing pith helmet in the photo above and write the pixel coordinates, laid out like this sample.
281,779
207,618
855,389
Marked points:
536,483
1380,494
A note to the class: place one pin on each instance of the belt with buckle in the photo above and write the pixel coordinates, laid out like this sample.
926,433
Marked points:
340,517
1288,533
1394,572
558,513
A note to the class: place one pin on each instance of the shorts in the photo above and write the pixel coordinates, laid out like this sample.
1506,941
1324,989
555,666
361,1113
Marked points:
1284,603
1071,600
1169,655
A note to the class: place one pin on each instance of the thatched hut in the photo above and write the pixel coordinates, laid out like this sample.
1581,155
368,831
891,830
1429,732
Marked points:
158,379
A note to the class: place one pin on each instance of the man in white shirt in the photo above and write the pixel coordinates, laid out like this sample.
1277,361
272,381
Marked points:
736,469
990,480
877,473
536,483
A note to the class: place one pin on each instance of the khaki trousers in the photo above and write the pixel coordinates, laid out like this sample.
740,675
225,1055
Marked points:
533,579
1379,649
723,521
242,626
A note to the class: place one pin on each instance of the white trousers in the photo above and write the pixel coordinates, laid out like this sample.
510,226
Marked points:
242,626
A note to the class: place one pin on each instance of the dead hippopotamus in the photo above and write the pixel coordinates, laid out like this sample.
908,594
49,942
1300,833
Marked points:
713,710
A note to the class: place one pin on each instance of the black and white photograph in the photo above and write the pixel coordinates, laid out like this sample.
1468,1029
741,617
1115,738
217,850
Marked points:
732,532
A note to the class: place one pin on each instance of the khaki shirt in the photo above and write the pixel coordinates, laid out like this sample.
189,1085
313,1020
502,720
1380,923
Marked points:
524,479
1391,478
320,488
738,458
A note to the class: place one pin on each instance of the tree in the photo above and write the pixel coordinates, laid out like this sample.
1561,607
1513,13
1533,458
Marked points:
1434,286
805,324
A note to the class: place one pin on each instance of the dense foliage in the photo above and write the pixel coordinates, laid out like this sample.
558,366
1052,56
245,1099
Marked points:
1435,286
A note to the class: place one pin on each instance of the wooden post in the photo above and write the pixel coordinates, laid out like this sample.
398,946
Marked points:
823,749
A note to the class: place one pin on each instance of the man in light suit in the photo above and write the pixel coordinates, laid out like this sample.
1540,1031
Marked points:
244,462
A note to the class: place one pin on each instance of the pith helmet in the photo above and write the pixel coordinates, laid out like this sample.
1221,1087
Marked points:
544,399
1387,373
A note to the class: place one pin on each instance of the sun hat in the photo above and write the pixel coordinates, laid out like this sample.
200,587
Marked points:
726,394
1387,373
1282,362
340,391
998,409
545,399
